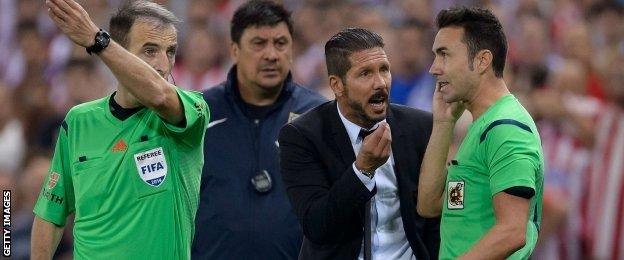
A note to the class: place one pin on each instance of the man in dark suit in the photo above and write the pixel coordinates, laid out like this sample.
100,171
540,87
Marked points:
351,166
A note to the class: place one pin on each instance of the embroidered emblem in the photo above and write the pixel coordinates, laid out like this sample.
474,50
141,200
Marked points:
54,178
456,194
152,166
120,146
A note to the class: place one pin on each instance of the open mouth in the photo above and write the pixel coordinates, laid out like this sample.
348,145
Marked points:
378,101
442,84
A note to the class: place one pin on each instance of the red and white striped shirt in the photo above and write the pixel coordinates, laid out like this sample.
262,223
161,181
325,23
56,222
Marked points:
567,161
603,206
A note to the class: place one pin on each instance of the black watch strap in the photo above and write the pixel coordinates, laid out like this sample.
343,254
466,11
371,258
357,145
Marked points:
102,39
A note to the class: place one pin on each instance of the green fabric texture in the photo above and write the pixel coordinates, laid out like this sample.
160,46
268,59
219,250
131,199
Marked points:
502,149
133,185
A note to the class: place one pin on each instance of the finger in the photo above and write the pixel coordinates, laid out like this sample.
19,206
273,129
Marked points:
386,150
74,5
71,12
56,19
56,10
79,10
383,142
62,5
376,136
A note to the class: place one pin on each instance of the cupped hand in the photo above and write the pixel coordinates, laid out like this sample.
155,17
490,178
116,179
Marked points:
375,149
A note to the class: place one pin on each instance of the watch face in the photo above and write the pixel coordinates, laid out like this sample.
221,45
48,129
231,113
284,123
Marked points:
103,40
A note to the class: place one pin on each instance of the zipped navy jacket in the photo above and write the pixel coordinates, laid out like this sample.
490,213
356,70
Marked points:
234,221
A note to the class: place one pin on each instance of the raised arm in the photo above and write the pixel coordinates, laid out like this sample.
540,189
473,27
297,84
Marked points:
139,78
433,169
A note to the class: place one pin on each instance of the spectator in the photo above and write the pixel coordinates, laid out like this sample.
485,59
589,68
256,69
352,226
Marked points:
202,62
12,143
603,208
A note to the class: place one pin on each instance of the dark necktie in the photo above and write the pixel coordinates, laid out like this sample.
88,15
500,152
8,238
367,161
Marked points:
364,133
368,251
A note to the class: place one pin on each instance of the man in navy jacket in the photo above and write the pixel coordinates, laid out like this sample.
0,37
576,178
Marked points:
244,212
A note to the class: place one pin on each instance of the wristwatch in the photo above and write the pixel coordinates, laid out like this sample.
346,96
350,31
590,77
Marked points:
370,175
102,39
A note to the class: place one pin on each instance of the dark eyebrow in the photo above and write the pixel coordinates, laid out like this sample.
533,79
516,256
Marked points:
440,49
258,38
151,44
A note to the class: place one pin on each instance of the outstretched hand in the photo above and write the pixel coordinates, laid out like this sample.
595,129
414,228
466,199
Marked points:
73,20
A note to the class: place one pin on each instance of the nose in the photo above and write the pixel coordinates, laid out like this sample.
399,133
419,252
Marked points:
380,81
435,68
270,53
162,63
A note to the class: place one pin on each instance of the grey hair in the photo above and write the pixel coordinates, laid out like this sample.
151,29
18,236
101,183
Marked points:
122,21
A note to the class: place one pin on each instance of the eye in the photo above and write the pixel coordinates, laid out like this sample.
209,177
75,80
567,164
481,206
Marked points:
280,44
258,44
149,52
365,73
171,52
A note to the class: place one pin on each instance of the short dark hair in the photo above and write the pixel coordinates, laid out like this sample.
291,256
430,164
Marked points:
482,30
122,21
343,44
258,13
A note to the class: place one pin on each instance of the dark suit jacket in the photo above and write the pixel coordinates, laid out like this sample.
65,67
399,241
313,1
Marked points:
315,159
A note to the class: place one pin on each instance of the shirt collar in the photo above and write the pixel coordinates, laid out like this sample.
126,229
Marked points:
353,130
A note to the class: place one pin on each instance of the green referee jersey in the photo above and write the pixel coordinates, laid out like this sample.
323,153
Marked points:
133,185
502,149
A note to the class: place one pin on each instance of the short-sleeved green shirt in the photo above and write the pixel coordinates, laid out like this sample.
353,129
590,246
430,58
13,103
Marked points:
502,149
133,184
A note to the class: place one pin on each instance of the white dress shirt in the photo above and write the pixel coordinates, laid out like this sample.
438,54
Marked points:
388,236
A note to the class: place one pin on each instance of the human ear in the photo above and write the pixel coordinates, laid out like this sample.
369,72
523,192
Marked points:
336,84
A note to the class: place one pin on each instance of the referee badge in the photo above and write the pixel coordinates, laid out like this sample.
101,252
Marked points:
455,194
54,178
152,166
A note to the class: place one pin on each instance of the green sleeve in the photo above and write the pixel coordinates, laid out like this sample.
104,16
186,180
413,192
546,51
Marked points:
512,157
56,199
196,116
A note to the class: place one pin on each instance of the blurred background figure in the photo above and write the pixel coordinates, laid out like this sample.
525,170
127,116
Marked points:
564,63
12,143
202,62
604,204
412,84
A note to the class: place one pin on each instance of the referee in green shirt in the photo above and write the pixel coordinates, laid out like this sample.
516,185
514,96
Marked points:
490,194
128,166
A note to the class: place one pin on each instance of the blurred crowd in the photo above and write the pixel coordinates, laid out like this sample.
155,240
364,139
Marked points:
565,63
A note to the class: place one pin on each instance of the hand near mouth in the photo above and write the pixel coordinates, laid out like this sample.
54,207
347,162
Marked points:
375,149
444,112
